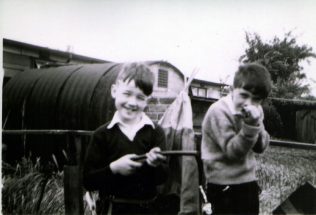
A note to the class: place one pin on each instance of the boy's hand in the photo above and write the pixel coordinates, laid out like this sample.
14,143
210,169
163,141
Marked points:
125,165
154,157
251,114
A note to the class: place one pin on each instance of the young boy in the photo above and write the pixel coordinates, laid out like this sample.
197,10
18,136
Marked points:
126,185
232,131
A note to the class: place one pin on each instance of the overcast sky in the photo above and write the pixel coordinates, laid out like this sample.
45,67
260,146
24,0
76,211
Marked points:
207,35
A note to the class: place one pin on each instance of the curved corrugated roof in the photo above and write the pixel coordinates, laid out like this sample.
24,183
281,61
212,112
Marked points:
40,107
68,97
75,101
101,107
15,94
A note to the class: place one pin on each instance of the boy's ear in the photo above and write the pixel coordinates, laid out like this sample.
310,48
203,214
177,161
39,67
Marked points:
113,90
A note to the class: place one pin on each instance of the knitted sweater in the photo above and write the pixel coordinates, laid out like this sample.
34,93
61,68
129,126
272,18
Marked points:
228,145
109,144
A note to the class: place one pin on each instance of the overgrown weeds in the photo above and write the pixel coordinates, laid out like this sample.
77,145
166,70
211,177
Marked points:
30,188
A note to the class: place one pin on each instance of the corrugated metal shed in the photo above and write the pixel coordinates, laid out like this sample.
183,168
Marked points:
68,97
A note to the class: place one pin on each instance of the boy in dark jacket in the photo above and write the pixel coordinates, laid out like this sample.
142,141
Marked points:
126,185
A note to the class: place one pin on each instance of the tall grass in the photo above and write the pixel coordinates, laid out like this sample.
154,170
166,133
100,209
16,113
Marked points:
28,188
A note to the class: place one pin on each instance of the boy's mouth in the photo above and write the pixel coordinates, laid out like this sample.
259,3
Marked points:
130,108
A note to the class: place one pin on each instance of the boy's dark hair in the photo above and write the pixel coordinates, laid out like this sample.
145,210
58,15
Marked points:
254,78
141,74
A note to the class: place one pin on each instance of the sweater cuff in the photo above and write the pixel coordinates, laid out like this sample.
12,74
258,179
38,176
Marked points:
106,171
249,130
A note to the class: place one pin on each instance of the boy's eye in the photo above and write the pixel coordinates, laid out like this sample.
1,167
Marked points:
142,98
126,93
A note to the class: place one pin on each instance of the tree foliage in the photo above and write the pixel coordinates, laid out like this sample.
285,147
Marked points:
282,57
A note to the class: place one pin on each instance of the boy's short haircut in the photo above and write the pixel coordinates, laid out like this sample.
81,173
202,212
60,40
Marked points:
141,74
254,78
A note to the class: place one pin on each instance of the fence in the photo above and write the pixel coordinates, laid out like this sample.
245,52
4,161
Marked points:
72,171
306,125
73,192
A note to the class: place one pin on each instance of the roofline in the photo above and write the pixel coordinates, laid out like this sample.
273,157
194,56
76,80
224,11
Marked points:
18,44
208,82
166,63
295,102
292,101
203,99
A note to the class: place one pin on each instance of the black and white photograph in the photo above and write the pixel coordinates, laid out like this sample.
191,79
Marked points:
166,107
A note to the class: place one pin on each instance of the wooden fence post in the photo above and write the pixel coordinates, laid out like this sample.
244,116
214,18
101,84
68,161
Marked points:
73,193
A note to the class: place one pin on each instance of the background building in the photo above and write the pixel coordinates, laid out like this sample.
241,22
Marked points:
208,90
19,56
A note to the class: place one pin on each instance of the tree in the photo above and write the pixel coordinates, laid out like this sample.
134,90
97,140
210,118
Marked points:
281,57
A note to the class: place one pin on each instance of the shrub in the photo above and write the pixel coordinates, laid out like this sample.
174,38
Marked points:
272,119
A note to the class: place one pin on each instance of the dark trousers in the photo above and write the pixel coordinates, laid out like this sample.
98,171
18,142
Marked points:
124,208
234,199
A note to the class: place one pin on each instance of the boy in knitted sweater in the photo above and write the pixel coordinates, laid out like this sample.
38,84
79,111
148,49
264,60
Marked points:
232,131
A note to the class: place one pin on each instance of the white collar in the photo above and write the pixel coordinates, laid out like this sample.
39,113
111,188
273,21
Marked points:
145,120
130,130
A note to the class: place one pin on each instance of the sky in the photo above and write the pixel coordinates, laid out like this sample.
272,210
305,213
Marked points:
205,35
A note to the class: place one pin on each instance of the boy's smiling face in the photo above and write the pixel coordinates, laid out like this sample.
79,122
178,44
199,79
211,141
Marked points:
242,98
130,101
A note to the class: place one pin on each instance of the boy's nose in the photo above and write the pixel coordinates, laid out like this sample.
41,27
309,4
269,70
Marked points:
132,101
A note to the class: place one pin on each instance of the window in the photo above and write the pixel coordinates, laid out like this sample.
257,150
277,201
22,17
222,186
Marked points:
162,78
200,92
194,91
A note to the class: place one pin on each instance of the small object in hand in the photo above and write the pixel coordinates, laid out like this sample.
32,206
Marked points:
207,208
244,113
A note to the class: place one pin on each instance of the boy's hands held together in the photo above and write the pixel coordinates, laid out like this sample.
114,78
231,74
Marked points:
154,157
126,165
252,115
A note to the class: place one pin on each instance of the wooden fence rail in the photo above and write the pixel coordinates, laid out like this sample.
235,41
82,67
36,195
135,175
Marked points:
273,142
282,143
48,131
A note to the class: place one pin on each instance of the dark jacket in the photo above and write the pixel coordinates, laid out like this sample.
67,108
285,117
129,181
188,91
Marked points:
109,144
